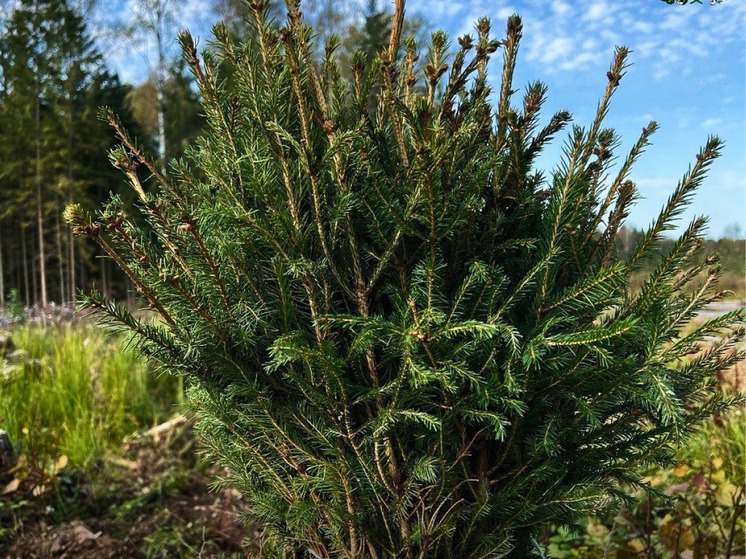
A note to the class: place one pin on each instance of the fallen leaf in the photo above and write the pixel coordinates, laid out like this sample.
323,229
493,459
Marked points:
12,486
82,533
674,536
725,494
61,463
638,546
597,530
699,480
678,488
706,548
681,470
123,462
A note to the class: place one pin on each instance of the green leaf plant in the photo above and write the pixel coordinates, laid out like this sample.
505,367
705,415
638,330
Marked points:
403,340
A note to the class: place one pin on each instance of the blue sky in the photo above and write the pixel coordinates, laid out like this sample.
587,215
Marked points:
687,73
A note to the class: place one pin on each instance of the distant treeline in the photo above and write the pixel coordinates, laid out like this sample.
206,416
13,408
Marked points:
53,147
732,251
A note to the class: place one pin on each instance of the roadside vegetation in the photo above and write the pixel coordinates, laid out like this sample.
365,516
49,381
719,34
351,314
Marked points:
698,507
71,394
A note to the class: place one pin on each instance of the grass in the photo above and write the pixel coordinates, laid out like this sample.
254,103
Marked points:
74,392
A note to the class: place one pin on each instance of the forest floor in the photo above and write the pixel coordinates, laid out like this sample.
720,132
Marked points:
153,501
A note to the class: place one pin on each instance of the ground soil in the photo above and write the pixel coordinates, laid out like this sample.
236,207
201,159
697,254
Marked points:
153,500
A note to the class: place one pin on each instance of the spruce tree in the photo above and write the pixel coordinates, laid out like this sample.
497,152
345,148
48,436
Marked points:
401,338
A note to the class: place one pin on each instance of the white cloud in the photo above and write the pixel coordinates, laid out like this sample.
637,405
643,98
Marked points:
611,37
677,19
661,73
580,61
504,13
669,55
710,122
601,14
596,12
558,47
437,9
730,179
561,8
646,48
643,26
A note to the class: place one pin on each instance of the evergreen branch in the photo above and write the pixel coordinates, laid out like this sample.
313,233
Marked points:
591,289
678,200
591,335
190,226
642,142
511,43
614,75
137,156
82,226
396,28
526,282
558,121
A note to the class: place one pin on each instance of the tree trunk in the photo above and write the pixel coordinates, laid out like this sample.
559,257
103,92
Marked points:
68,236
71,264
84,274
60,257
34,276
19,272
24,254
104,279
160,82
39,214
2,274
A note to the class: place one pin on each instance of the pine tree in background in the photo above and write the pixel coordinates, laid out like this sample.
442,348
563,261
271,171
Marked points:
373,36
403,340
51,70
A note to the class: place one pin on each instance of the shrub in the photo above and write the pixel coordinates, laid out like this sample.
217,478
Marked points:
402,340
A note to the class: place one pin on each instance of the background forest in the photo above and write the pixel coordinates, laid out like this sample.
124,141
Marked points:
53,146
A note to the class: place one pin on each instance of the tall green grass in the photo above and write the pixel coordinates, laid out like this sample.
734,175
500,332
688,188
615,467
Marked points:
74,391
